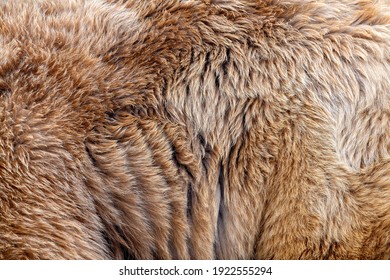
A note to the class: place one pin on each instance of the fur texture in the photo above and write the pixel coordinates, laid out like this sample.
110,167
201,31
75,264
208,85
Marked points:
228,129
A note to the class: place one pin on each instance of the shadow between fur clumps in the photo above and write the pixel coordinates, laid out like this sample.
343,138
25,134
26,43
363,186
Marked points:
221,129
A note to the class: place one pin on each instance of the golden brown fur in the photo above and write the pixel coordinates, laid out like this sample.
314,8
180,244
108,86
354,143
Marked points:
229,129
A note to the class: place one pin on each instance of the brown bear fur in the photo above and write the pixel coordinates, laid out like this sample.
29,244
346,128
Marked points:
228,129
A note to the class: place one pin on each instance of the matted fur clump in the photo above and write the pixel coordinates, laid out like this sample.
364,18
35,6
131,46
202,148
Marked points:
228,129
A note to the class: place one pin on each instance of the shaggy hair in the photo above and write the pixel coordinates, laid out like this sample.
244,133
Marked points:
168,129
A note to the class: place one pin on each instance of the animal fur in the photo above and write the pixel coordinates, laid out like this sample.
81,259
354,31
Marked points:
228,129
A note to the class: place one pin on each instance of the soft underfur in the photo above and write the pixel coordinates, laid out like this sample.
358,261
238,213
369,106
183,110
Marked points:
228,129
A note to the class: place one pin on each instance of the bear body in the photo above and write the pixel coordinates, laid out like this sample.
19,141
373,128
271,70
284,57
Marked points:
220,129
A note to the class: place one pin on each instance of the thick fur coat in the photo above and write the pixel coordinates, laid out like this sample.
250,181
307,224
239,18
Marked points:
228,129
